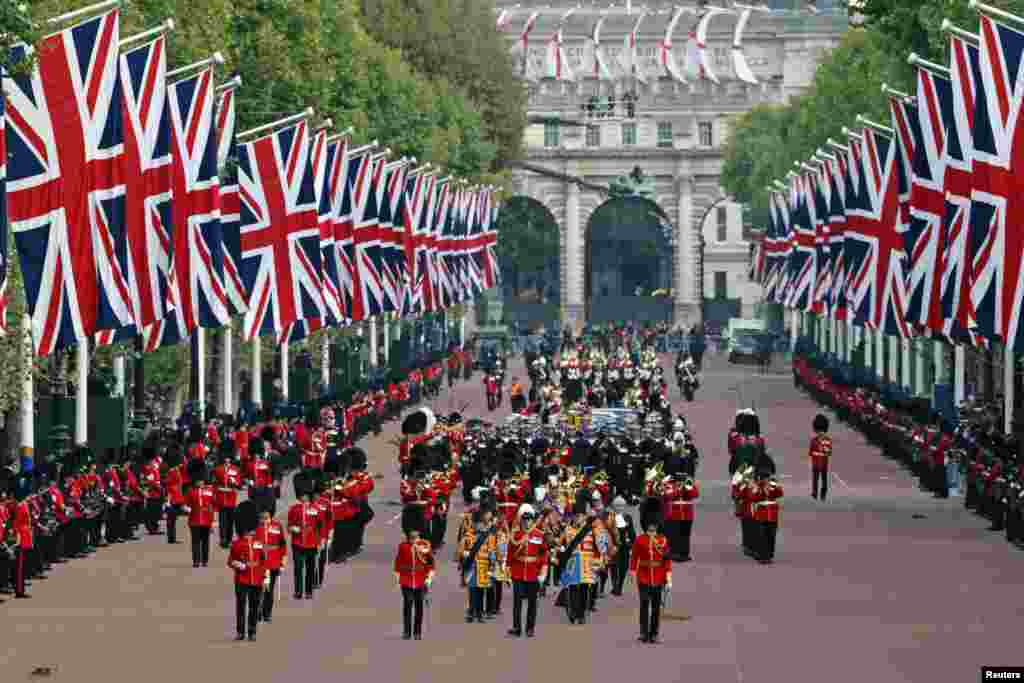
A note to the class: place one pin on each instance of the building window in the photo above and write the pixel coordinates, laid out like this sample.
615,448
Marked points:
664,134
593,136
723,224
704,133
721,285
628,134
551,133
629,105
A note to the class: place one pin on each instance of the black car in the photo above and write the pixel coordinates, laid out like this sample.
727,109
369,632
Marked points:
746,346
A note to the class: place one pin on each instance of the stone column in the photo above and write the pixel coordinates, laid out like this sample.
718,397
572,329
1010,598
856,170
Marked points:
684,294
573,306
959,373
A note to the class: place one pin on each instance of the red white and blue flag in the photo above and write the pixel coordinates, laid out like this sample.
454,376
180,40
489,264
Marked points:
4,297
802,257
280,235
65,183
371,296
835,170
230,204
353,174
996,243
331,182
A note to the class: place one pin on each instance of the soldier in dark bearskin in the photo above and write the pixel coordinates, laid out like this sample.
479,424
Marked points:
247,558
200,507
414,571
304,520
651,566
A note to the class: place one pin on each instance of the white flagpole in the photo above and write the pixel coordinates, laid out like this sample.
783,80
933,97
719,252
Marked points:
387,341
82,392
284,370
98,7
119,375
257,372
227,369
201,372
325,360
28,423
373,342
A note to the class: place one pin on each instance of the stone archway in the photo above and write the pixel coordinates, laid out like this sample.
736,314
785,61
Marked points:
629,262
530,261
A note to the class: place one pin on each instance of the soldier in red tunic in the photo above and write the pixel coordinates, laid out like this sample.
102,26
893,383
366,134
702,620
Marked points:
272,535
414,571
678,496
174,482
200,506
248,558
528,568
304,520
764,495
651,566
227,478
820,452
22,525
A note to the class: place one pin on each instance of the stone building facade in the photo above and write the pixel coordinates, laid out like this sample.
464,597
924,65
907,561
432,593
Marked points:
673,130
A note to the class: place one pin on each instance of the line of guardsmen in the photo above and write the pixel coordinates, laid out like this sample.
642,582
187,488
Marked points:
755,491
976,458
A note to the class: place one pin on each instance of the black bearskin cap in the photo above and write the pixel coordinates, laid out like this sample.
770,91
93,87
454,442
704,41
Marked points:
247,517
419,421
267,433
650,513
412,519
357,458
303,483
820,423
197,471
581,507
266,500
508,469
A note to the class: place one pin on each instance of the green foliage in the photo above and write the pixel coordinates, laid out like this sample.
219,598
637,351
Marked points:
528,235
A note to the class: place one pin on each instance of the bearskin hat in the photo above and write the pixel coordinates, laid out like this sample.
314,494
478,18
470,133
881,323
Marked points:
332,462
650,513
227,450
256,446
267,433
247,517
266,500
820,423
420,421
508,469
581,507
319,480
412,519
357,459
303,483
197,471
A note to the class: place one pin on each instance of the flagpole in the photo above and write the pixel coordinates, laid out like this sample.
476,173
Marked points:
28,411
235,82
995,13
256,390
215,59
387,341
82,392
373,342
200,361
325,361
98,7
948,27
227,370
119,375
163,28
308,113
284,370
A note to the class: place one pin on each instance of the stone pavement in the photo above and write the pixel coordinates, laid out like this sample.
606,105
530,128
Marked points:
861,590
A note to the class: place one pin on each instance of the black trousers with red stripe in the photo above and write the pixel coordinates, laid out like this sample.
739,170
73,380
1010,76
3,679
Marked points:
21,570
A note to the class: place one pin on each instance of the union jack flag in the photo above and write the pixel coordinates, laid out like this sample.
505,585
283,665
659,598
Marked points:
446,273
835,170
356,172
997,242
925,238
330,181
366,234
230,205
802,257
392,197
778,246
199,295
958,314
819,188
877,294
299,330
4,301
148,179
492,271
280,236
439,247
418,222
65,184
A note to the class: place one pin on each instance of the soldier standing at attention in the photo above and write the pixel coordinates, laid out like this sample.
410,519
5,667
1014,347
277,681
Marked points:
414,571
651,567
820,451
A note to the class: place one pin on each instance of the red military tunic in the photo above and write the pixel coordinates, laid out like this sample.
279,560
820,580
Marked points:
678,502
323,503
275,544
22,525
151,481
820,451
343,508
175,483
200,501
248,558
304,520
414,563
649,560
527,555
260,473
764,501
229,481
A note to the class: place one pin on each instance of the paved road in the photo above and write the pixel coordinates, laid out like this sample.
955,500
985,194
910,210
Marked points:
860,591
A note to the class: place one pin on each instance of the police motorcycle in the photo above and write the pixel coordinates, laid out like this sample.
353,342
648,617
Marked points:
686,376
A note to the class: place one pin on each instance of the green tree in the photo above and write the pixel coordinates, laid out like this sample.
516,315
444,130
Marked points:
528,236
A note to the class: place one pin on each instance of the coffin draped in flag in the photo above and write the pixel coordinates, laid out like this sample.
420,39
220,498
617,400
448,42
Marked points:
958,316
230,206
65,183
198,292
996,244
925,240
876,292
148,179
280,236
